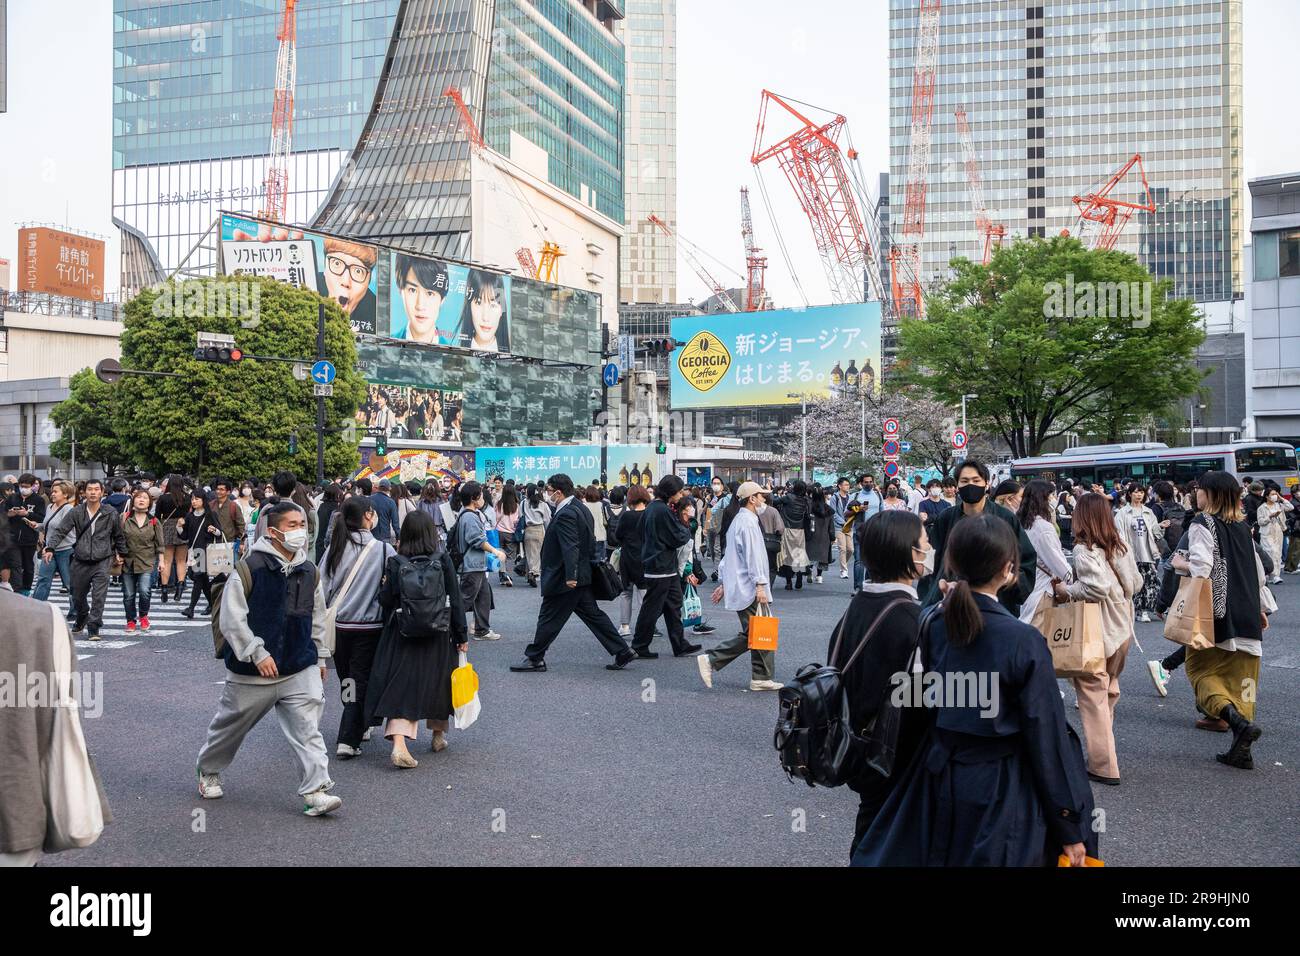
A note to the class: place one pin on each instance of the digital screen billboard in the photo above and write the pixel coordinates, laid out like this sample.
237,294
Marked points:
772,357
445,303
626,464
427,414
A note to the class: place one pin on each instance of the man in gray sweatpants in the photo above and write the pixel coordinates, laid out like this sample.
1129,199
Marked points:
272,619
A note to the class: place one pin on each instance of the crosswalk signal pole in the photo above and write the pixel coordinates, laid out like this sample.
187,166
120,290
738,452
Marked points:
320,399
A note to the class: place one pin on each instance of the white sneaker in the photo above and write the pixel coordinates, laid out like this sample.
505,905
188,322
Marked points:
625,630
366,735
318,803
210,785
844,575
1145,618
490,635
819,579
1159,677
765,685
706,669
346,752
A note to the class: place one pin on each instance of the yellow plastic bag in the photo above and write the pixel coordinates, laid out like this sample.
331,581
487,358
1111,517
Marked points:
464,694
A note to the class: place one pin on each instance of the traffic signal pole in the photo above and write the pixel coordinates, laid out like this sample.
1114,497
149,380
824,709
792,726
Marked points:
320,399
604,411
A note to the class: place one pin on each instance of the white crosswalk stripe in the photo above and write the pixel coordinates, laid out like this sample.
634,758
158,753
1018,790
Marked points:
165,620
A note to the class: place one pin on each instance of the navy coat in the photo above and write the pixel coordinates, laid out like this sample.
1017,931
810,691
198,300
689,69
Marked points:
1009,789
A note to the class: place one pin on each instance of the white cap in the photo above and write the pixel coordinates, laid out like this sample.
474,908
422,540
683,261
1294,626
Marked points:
748,488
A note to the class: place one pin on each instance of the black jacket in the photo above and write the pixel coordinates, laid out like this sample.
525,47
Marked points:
631,532
568,548
97,543
21,534
794,511
664,533
941,527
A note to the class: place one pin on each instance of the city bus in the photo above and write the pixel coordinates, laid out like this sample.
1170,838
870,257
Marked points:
1109,465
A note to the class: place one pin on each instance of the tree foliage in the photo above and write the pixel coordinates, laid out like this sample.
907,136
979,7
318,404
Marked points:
88,413
230,419
998,332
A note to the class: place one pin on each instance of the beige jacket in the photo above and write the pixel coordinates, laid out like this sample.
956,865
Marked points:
1110,584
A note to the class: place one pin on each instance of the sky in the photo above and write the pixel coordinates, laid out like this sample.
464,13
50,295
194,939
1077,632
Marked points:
57,134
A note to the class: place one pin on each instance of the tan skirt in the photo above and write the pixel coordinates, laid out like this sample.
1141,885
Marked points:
794,550
1223,677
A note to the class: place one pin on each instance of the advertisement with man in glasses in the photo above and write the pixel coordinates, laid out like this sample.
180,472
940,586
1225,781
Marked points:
338,269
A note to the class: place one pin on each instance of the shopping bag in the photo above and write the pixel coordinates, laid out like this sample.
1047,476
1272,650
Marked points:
464,694
1190,620
763,629
1073,633
606,585
1088,861
692,607
220,558
494,539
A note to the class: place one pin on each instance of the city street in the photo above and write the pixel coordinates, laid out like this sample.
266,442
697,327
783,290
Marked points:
644,767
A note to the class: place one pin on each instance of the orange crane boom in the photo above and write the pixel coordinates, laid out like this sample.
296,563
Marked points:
990,233
755,263
286,75
1111,214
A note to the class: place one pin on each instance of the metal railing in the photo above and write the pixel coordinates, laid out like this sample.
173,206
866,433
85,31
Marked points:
42,303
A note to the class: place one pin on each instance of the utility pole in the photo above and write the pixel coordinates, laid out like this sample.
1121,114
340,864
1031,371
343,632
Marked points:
73,429
963,412
320,399
864,429
604,410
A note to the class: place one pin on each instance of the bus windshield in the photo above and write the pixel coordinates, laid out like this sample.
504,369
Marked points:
1251,460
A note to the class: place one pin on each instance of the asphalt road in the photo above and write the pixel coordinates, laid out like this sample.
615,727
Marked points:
585,766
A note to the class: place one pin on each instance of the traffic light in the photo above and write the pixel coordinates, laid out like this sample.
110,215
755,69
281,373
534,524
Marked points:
293,443
660,347
224,355
661,448
381,445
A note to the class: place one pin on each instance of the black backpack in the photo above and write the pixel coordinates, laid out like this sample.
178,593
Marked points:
813,735
423,612
454,544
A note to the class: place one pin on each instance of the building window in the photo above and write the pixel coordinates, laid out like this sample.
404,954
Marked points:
1266,255
1288,253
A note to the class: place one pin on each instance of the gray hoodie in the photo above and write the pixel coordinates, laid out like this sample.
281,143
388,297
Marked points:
359,608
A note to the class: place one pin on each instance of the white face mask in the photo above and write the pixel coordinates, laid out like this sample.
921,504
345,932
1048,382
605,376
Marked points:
936,492
25,490
927,564
295,540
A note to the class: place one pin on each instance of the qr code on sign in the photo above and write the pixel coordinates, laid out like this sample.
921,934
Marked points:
494,467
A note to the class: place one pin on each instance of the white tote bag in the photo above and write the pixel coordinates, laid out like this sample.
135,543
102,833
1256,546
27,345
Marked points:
336,600
75,816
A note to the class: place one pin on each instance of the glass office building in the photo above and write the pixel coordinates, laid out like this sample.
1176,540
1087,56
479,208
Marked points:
378,152
1059,95
648,268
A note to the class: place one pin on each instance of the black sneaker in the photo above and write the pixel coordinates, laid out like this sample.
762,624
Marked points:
703,629
689,650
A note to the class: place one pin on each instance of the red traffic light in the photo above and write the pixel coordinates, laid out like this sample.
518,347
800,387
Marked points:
236,355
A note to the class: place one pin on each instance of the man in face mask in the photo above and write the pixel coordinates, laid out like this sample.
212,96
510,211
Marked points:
972,499
272,620
26,511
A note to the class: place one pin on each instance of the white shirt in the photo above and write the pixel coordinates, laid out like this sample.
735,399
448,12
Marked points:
914,499
744,567
1051,563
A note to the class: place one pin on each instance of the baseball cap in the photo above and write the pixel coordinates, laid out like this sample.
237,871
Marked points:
748,488
385,483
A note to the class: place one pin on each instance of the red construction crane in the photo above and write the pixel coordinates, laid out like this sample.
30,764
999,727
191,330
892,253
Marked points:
1112,215
755,264
905,258
688,250
813,163
990,233
286,74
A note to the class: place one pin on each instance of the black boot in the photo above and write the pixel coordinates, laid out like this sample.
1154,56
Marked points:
1244,733
166,589
180,589
194,601
798,581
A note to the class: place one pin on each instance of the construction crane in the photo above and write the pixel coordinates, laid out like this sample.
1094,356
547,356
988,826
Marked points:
286,75
1112,215
905,258
755,264
689,252
547,269
813,164
990,233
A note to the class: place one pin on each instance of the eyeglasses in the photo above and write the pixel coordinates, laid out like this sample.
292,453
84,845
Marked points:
337,266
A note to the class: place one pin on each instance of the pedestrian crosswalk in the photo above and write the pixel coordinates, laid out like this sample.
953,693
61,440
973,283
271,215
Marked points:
165,620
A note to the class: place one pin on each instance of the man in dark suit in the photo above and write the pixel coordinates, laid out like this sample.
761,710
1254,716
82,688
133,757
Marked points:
567,552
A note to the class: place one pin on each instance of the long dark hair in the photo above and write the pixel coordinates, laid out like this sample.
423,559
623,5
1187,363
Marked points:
887,542
179,493
479,285
419,536
509,503
353,515
1034,503
978,550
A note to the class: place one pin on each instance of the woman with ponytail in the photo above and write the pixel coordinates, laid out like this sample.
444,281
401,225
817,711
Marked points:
999,780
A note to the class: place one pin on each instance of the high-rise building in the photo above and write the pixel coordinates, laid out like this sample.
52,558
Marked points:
378,152
4,57
1273,303
648,263
1059,95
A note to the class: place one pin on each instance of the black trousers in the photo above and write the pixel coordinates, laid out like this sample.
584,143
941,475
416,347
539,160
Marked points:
27,557
663,598
555,613
89,588
354,654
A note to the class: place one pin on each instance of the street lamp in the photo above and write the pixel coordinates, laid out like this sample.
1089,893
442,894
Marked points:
803,424
1192,409
963,411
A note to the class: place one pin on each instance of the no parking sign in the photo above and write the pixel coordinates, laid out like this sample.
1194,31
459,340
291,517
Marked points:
891,427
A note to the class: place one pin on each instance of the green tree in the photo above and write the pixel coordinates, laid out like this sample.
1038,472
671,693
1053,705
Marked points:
1054,338
234,419
88,412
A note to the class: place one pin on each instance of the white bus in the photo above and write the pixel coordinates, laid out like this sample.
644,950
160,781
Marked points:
1108,465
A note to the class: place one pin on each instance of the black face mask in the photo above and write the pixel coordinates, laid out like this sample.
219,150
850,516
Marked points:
971,494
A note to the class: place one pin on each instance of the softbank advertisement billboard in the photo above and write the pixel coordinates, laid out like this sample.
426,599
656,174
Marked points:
774,357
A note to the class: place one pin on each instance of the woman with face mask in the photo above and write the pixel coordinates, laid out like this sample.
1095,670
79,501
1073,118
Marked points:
999,779
898,554
197,529
1271,520
1036,510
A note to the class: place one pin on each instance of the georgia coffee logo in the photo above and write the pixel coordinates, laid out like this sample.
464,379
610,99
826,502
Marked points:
703,361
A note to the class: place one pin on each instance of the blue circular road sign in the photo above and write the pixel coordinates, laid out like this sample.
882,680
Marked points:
609,375
323,372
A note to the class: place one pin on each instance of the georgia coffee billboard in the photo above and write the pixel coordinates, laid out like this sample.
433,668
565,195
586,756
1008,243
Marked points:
60,263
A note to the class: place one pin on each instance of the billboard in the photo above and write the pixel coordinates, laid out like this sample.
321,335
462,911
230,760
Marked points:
427,414
60,263
445,303
627,464
773,357
416,464
343,270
